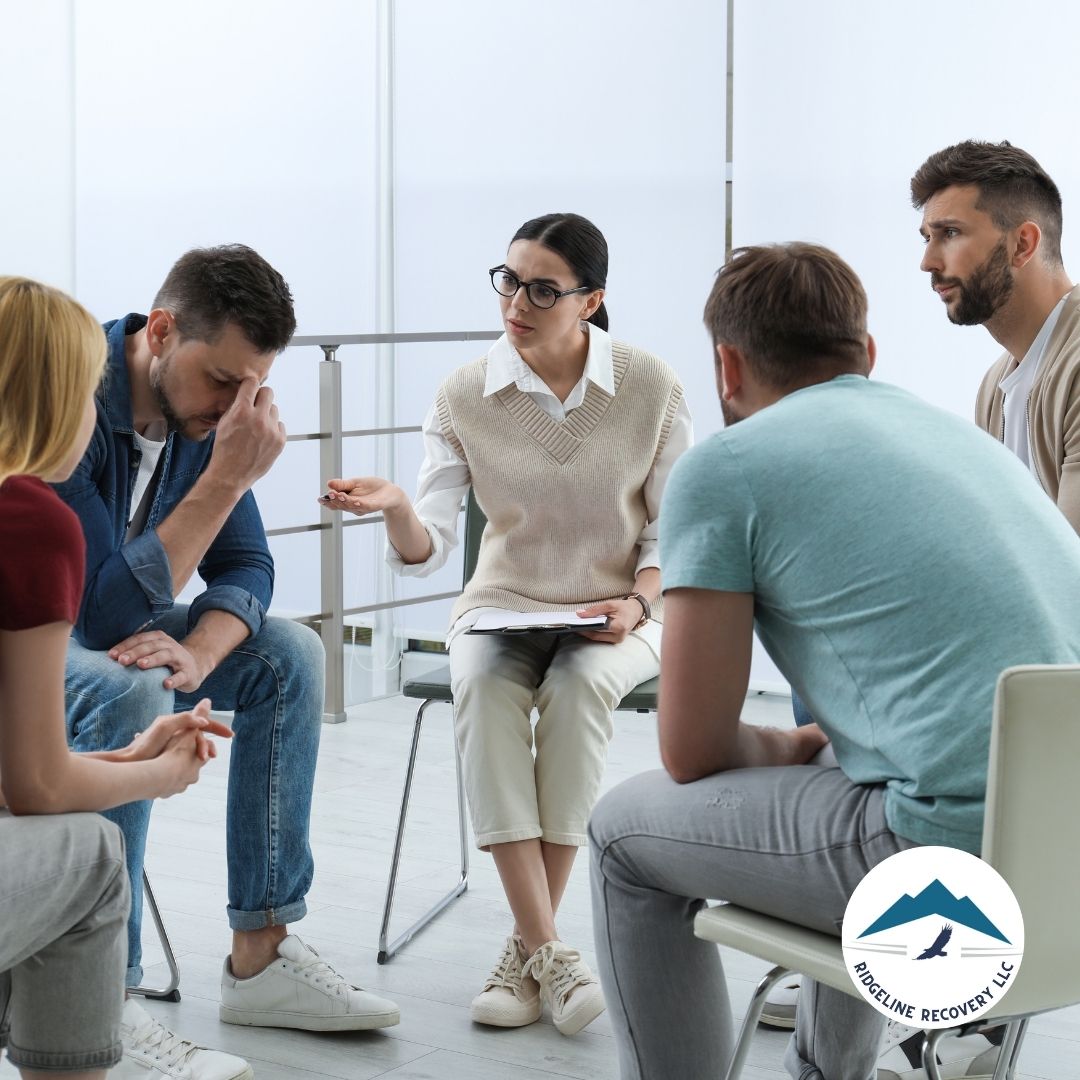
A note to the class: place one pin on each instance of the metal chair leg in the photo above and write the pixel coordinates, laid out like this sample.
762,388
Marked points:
750,1022
386,952
1009,1054
929,1052
170,992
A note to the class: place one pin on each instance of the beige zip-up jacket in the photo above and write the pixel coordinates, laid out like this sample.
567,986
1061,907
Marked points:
1053,411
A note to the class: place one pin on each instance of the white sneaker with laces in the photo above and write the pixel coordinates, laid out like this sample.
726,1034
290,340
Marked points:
509,998
153,1052
780,1004
570,989
301,990
967,1057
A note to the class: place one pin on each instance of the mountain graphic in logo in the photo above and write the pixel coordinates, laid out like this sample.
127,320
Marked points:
935,899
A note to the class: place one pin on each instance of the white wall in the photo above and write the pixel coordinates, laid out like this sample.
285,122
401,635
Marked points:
835,113
37,182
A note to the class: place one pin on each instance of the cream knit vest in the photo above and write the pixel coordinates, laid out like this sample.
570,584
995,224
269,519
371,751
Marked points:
564,501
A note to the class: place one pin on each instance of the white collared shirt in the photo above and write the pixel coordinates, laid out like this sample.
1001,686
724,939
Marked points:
506,366
1016,386
444,478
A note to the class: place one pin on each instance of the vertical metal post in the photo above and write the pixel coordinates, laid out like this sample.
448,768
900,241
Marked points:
332,551
385,676
73,136
729,140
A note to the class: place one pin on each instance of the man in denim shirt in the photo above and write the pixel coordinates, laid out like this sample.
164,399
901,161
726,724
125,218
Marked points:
184,428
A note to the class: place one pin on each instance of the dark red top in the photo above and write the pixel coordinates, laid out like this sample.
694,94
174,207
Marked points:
42,556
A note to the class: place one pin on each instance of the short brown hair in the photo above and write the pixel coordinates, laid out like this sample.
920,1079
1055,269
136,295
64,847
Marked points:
209,288
796,311
52,354
1013,187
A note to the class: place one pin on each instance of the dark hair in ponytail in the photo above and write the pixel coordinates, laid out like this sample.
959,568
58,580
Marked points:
580,243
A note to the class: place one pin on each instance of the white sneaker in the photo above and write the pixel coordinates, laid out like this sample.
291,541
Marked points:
153,1052
298,990
509,998
959,1057
780,1004
567,985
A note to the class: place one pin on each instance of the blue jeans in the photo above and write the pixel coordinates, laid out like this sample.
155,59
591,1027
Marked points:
273,683
802,713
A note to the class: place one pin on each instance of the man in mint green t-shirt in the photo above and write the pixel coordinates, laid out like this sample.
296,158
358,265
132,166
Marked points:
894,559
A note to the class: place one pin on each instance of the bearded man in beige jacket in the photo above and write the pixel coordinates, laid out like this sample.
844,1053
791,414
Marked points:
992,226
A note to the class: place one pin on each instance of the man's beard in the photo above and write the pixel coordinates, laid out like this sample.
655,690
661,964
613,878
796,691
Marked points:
984,293
730,416
174,422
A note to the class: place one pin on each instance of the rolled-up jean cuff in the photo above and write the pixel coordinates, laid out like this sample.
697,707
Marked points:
50,1061
258,920
134,976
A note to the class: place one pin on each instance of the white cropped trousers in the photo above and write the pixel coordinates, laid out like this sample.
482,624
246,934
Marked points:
523,781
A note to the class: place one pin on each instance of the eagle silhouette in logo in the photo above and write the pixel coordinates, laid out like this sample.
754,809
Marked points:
938,947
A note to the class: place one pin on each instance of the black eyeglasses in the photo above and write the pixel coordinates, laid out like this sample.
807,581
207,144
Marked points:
539,294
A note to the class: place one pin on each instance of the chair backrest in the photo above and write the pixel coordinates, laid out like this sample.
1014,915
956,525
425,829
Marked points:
1031,834
475,522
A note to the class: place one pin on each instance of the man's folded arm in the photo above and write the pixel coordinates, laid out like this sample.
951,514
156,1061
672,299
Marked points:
704,675
238,569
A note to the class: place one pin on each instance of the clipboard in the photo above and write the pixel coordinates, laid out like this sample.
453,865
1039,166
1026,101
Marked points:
536,622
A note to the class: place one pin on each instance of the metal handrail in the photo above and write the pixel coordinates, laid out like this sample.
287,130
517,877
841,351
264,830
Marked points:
324,341
309,436
331,527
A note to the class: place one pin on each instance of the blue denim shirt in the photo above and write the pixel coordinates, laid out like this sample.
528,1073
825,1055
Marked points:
129,583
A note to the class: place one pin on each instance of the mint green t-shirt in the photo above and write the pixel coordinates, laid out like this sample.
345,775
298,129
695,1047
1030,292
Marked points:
900,559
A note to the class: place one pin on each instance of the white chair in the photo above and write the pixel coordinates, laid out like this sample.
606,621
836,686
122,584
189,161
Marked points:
1031,836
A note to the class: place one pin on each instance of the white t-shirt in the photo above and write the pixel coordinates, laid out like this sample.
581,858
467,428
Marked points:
1016,386
150,445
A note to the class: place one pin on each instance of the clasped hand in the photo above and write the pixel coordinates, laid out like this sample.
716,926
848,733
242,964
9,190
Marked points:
804,743
181,743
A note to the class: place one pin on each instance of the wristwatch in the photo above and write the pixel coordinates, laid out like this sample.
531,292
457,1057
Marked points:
646,608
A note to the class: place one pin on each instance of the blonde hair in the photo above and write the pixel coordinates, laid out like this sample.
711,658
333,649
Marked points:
52,355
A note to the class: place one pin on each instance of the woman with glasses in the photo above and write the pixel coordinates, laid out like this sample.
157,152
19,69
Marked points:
63,884
567,437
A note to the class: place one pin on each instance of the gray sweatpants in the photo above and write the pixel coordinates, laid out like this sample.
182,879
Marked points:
790,842
63,911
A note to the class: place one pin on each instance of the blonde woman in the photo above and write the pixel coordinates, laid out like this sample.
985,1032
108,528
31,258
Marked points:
63,885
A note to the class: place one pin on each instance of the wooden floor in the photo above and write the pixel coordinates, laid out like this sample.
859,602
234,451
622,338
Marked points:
358,787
